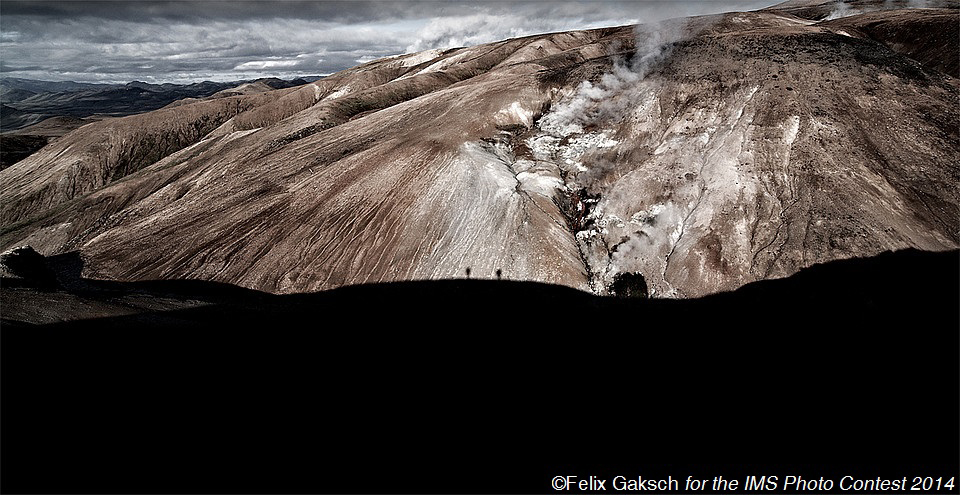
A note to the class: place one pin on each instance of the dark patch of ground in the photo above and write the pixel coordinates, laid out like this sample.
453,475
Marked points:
14,148
473,386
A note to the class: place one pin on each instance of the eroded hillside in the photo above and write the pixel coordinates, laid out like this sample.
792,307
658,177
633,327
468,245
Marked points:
703,153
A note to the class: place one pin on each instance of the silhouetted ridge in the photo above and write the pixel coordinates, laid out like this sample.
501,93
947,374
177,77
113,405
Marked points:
863,291
810,375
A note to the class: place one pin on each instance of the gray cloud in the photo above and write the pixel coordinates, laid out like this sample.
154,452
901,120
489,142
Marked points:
206,10
185,41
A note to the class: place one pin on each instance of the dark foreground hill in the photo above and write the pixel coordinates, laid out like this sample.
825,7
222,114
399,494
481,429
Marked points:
480,386
43,291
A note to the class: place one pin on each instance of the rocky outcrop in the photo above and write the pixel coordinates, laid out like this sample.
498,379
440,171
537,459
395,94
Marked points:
22,265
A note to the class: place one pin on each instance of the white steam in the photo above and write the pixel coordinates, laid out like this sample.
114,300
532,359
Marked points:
843,9
474,29
610,98
577,135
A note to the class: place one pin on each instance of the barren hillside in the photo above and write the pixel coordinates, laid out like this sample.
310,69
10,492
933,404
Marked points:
702,153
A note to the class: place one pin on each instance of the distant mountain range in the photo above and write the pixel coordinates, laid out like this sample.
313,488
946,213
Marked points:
26,101
33,113
33,86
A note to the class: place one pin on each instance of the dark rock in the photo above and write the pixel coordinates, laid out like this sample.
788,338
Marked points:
629,285
23,266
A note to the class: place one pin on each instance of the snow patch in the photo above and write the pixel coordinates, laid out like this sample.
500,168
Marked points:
338,93
666,145
239,134
746,98
646,216
539,182
515,113
793,128
419,58
439,65
795,20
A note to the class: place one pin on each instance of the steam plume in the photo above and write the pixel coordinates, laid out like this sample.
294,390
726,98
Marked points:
612,95
596,105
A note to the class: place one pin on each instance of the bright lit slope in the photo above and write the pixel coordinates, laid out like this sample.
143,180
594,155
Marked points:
704,154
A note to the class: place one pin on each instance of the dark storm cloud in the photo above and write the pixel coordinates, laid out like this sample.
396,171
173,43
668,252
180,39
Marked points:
8,68
336,11
220,40
200,11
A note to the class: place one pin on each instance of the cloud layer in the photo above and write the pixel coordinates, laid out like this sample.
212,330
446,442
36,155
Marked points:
119,41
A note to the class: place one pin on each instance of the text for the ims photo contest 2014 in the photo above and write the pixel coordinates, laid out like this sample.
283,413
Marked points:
753,484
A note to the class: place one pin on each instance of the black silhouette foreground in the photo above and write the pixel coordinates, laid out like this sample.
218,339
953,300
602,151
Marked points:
477,386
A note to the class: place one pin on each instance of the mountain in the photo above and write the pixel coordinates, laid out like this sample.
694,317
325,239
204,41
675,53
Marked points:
21,143
44,99
13,118
698,154
75,104
819,10
17,85
14,94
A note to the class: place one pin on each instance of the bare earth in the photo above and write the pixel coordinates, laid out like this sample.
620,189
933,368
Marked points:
704,153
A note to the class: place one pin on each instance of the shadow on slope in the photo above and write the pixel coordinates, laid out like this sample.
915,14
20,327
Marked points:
474,386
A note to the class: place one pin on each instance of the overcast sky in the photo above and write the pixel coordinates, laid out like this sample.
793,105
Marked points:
189,41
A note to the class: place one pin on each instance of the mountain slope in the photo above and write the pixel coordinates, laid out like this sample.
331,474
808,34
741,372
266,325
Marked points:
819,10
703,154
21,143
44,99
